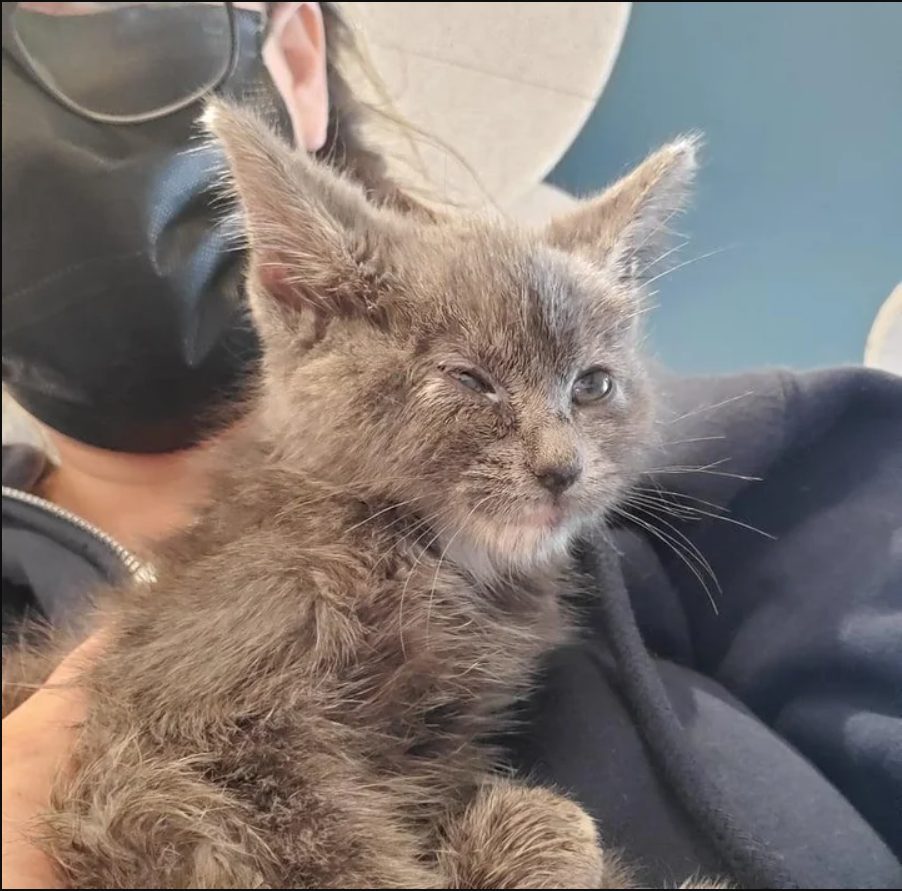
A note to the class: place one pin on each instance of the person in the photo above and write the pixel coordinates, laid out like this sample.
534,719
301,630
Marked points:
732,705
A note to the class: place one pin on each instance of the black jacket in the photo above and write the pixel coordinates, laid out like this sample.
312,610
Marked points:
758,735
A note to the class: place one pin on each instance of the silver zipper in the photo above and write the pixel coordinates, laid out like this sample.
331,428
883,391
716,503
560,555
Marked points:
137,569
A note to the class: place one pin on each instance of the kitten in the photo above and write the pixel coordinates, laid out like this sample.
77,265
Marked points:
299,699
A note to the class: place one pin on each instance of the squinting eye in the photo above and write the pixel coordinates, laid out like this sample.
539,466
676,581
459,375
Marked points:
472,380
592,386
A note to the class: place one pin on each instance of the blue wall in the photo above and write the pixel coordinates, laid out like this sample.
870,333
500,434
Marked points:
801,105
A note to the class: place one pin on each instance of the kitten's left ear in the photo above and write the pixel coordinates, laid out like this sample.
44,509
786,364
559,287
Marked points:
310,231
625,227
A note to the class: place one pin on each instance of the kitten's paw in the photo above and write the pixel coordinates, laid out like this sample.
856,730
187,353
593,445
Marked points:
515,836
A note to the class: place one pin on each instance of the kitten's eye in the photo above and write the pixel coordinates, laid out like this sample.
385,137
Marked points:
472,380
592,386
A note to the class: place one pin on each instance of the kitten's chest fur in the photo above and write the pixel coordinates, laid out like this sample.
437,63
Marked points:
331,621
454,649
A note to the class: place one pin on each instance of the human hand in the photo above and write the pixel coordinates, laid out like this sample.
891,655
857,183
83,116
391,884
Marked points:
37,740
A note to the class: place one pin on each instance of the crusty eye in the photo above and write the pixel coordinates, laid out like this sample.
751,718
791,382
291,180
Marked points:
471,380
592,386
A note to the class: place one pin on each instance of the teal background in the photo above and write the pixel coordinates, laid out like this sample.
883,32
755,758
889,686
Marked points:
801,184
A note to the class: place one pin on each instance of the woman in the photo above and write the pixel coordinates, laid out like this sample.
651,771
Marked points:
758,740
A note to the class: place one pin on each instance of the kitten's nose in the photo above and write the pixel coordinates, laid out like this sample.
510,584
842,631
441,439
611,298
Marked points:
557,478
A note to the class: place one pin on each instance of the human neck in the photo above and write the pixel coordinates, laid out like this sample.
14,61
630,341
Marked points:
137,499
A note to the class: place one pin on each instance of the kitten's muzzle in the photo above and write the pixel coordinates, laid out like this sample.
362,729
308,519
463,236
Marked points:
554,456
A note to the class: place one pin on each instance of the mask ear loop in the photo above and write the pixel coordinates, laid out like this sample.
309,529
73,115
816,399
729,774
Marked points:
13,46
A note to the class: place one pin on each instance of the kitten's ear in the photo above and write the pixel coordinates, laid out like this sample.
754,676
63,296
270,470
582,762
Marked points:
305,225
626,226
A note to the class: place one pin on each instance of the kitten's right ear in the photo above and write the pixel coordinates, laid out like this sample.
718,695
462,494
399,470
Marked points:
625,227
304,224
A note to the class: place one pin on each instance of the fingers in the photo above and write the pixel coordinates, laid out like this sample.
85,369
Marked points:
56,707
37,741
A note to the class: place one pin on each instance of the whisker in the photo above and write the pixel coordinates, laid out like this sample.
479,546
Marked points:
402,539
661,227
689,544
663,256
661,536
704,408
659,490
680,512
442,557
716,516
667,496
685,263
385,510
706,470
677,442
410,573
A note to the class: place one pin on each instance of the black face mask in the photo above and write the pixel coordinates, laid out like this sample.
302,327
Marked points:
123,317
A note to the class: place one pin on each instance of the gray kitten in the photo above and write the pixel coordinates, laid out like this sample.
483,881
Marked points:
299,700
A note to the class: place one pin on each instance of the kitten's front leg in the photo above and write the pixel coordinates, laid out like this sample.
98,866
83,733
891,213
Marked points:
518,836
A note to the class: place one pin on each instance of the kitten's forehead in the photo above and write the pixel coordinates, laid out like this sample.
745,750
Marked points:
517,296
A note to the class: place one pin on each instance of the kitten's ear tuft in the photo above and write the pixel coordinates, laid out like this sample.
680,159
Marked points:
626,226
301,220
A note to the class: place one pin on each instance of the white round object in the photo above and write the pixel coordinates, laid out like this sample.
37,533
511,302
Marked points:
507,86
884,346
